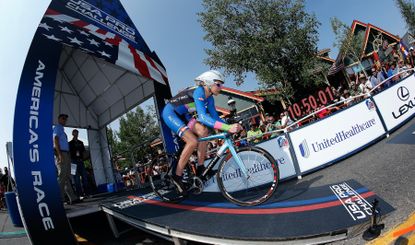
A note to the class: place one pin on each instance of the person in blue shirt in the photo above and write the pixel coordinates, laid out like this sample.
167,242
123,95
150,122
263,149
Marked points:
63,159
189,113
392,73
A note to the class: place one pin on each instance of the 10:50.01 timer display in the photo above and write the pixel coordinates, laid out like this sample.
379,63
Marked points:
310,103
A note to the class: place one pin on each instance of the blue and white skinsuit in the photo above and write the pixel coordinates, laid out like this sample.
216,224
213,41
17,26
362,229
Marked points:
178,113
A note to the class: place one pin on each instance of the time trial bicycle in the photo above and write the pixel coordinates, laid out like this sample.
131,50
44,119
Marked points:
246,176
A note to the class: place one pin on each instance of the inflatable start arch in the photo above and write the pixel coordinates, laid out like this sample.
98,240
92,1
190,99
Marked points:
87,60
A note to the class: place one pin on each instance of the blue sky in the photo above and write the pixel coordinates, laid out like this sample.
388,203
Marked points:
171,28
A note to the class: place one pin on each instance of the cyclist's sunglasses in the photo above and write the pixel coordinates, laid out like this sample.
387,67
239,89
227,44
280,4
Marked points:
219,84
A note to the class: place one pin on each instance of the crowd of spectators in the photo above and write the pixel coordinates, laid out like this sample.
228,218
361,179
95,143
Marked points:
363,84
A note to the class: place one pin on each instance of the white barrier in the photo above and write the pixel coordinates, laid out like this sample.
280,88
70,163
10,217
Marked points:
336,136
397,103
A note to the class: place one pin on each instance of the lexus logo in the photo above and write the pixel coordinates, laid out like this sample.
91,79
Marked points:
403,93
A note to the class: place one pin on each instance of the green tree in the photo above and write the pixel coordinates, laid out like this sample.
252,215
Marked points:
114,144
349,44
407,9
112,139
274,39
137,129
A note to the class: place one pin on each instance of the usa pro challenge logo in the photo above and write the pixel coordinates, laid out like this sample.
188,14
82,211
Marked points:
370,105
283,142
305,152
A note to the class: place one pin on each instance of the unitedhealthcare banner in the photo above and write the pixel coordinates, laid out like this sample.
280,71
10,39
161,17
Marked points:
279,148
337,136
397,103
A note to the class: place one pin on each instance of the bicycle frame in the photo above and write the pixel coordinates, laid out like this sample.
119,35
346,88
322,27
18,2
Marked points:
227,144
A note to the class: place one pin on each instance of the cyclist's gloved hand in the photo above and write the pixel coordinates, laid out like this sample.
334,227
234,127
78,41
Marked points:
236,127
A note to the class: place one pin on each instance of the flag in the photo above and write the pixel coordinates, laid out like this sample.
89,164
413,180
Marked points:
101,43
403,49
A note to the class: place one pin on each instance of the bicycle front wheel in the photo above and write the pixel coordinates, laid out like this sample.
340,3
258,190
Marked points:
255,188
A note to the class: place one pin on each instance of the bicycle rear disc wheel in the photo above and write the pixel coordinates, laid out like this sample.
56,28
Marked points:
258,186
162,184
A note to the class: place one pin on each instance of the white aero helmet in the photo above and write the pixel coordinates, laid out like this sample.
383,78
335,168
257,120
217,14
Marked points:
209,78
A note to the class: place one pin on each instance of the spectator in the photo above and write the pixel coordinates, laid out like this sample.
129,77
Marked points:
336,93
254,133
326,111
262,126
270,126
392,74
286,120
361,84
373,78
323,112
353,89
345,97
7,181
77,150
242,136
377,78
367,87
411,56
278,122
63,159
403,69
212,145
410,68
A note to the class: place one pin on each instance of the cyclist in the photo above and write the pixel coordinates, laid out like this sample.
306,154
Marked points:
177,114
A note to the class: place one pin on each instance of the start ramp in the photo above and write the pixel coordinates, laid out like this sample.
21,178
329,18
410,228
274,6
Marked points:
297,215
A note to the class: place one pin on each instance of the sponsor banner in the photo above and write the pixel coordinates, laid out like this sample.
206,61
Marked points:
35,172
397,103
278,147
356,205
336,136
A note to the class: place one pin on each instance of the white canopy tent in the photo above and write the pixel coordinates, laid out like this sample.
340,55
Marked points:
94,92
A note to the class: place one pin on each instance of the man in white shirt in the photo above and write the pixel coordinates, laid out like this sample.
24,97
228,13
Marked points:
368,86
286,120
